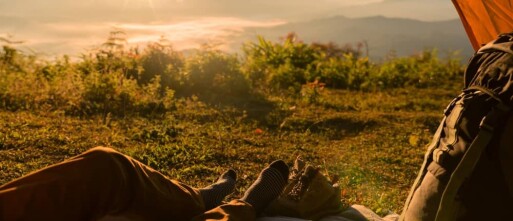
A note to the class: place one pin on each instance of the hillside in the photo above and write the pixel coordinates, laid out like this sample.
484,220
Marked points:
383,34
192,117
376,151
404,36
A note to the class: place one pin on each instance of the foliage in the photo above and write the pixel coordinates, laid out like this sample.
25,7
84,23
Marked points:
372,141
278,66
155,104
214,74
422,70
159,59
287,66
118,80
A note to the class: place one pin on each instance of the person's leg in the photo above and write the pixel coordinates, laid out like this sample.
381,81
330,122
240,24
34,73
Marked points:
266,188
214,194
102,182
235,210
96,183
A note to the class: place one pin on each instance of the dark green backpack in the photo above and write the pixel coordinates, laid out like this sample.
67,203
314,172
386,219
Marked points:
467,172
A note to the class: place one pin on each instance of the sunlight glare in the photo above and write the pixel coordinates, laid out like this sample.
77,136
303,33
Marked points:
189,34
150,4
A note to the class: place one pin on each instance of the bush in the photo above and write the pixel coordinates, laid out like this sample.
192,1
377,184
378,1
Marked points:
422,70
211,74
274,66
66,86
119,81
346,72
22,91
114,94
98,84
21,87
162,61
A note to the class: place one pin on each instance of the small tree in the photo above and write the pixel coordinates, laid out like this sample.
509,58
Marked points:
159,59
212,73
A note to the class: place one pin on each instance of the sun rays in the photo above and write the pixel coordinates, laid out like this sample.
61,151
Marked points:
139,3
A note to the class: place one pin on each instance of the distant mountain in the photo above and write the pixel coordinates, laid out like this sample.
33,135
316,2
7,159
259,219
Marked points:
432,10
383,35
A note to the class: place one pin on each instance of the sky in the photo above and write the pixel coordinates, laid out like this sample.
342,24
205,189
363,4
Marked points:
54,27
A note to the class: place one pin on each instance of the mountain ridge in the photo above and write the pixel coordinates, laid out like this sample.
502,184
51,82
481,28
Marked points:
403,36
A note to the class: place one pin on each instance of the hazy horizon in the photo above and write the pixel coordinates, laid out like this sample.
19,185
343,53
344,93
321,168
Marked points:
62,27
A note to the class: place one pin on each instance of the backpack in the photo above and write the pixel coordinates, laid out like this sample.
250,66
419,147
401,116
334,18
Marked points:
467,172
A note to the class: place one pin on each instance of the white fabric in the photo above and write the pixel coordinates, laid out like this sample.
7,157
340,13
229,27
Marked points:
353,213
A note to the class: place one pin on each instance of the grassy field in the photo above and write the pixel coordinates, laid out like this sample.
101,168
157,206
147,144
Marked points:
194,116
373,140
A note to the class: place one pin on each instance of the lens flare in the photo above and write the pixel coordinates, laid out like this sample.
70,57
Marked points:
150,4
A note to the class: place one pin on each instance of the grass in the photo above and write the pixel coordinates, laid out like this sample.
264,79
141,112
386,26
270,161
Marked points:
373,140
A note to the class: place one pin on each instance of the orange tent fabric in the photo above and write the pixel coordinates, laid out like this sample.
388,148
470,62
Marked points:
484,20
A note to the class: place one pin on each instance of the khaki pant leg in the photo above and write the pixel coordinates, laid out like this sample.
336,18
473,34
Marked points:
236,210
96,183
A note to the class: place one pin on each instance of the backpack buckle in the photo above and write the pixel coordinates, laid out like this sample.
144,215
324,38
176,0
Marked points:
486,124
494,117
439,156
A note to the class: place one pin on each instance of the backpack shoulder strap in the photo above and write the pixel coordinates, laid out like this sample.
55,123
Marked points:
446,210
506,153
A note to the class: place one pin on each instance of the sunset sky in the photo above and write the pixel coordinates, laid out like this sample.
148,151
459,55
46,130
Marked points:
63,26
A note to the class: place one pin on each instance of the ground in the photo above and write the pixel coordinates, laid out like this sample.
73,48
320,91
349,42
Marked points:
374,141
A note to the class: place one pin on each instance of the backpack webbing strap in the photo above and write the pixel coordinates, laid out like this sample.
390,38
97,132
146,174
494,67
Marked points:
506,154
428,156
448,208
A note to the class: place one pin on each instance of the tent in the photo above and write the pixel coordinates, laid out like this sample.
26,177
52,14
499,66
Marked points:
484,20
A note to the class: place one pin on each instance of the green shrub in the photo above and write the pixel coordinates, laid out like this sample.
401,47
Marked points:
274,66
162,61
115,94
213,74
422,70
287,76
286,66
66,86
345,72
119,81
101,93
20,85
22,91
